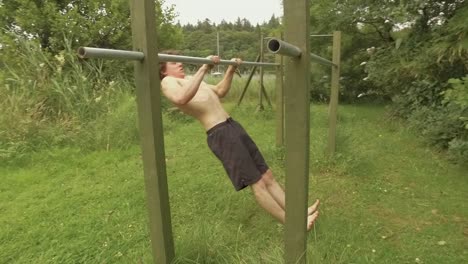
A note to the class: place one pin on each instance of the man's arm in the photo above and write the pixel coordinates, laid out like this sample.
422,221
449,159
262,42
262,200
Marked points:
222,88
182,94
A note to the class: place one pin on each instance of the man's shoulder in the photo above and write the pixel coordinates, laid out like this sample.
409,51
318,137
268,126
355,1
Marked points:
169,81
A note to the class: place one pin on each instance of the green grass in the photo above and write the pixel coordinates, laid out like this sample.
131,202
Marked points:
386,198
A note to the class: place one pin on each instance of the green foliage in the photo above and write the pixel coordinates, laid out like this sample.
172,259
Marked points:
457,98
54,98
117,129
363,25
442,121
458,94
103,24
417,70
439,125
403,50
401,42
458,150
50,98
239,39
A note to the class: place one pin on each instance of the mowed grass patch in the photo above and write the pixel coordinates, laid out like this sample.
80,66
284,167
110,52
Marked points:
66,207
386,198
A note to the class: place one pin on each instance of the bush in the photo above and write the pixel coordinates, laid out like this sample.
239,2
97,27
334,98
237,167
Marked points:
458,150
457,98
443,122
418,95
438,125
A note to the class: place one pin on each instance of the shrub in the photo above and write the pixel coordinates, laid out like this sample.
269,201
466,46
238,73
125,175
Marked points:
457,98
442,121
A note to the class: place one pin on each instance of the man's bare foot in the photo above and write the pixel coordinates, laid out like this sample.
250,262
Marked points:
313,207
311,219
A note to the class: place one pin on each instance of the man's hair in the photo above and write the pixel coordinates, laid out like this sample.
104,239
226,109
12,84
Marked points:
162,64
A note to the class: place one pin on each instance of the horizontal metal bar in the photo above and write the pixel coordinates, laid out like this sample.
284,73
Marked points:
283,48
87,52
326,35
197,60
321,60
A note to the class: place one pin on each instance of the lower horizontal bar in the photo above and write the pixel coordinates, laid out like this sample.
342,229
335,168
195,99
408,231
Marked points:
321,60
87,52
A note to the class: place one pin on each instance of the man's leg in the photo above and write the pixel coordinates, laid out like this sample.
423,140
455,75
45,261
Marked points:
271,205
264,198
278,193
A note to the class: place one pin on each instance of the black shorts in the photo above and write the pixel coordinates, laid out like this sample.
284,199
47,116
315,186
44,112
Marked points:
240,156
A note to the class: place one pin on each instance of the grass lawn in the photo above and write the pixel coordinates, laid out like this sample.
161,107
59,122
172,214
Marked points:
386,198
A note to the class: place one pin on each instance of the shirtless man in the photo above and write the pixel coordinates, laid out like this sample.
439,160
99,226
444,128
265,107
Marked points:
227,139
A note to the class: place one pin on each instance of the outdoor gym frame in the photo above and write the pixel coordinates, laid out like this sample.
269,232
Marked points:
296,122
335,87
278,46
262,90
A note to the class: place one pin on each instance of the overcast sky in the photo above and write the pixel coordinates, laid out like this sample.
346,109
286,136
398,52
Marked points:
256,11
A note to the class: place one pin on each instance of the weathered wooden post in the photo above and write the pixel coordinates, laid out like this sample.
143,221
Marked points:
150,123
296,104
335,86
297,126
260,100
279,100
334,94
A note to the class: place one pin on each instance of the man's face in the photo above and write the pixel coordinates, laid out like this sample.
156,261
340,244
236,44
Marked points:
174,69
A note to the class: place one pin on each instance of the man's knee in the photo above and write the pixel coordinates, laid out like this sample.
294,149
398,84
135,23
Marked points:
259,186
267,178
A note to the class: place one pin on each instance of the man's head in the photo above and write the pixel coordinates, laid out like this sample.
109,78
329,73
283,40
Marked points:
174,69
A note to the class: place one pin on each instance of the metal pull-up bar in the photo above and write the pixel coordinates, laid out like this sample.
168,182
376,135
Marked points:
281,47
87,52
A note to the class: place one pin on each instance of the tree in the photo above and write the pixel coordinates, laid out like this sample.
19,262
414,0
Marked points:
103,23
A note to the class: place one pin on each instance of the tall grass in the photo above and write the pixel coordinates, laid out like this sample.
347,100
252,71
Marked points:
48,100
57,99
252,93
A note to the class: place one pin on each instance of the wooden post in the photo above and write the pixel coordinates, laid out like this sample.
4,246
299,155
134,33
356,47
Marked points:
151,131
262,86
296,21
279,101
260,102
252,72
266,95
334,94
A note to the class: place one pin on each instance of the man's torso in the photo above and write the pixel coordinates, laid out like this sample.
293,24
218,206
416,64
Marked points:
204,106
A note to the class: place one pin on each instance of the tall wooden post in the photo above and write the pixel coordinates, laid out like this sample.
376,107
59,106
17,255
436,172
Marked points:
260,102
334,94
279,100
151,131
296,21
